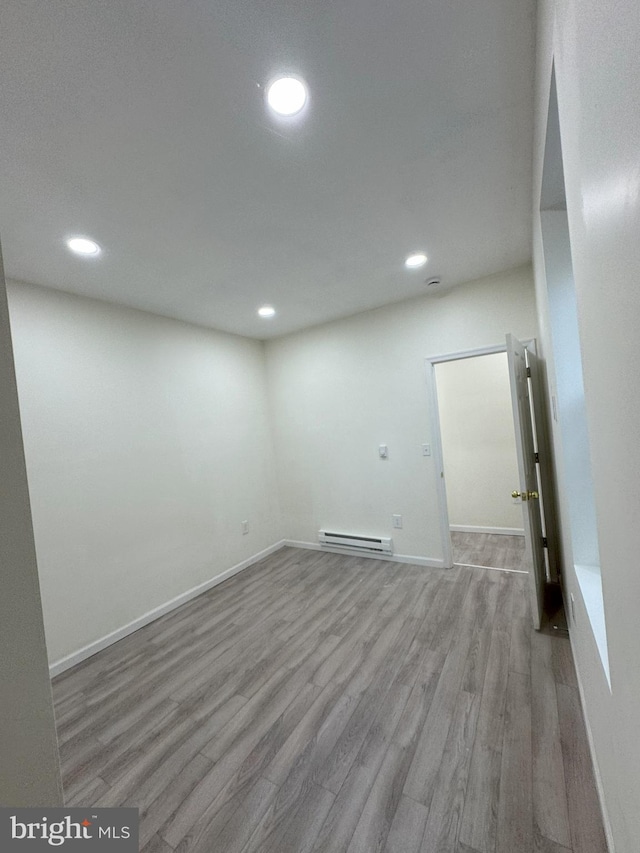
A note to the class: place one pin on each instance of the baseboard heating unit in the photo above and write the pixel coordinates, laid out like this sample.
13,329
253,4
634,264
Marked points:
372,544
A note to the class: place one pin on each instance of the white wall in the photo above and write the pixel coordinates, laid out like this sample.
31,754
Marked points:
478,442
147,443
340,390
28,746
569,386
597,65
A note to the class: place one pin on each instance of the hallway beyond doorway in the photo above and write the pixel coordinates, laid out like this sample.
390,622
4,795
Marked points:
489,550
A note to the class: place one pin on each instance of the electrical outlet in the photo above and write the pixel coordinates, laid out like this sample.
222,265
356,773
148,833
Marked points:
245,527
397,521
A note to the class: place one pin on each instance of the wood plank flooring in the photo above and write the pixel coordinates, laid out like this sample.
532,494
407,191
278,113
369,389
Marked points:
493,550
324,703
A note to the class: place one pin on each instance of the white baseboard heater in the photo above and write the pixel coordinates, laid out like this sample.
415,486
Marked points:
372,544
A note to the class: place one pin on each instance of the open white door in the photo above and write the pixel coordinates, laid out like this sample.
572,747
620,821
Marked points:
545,466
529,489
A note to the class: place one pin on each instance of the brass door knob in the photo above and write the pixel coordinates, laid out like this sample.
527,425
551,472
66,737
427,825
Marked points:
526,496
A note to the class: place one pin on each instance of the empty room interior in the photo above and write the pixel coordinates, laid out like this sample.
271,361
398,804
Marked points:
319,502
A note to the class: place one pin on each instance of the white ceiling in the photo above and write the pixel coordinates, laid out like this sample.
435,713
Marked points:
142,124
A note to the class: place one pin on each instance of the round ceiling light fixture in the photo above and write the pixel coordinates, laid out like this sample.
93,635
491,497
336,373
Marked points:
413,262
267,311
286,95
83,246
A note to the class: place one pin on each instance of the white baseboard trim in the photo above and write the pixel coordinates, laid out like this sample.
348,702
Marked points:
503,531
98,645
428,562
596,769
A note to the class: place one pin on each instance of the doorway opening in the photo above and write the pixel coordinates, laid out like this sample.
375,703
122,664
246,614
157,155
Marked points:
523,418
479,457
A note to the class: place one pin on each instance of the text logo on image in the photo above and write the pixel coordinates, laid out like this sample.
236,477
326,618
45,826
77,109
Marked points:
37,829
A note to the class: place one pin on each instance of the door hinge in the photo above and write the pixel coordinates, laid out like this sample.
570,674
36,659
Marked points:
529,372
545,544
536,457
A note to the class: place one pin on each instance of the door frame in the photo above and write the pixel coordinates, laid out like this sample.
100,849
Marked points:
436,434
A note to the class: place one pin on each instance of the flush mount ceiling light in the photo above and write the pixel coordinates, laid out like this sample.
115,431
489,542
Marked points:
266,311
286,95
415,261
83,246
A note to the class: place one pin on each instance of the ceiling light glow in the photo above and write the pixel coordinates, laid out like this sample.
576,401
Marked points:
266,311
415,261
287,95
83,246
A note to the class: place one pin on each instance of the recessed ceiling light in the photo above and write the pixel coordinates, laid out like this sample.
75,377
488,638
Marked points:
266,311
286,95
415,261
83,246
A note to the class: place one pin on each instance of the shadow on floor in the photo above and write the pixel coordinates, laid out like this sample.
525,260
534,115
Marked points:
554,617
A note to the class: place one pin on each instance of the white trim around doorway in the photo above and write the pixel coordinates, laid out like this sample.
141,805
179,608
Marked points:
430,373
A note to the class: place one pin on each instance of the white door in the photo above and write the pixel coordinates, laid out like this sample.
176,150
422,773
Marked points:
528,490
545,467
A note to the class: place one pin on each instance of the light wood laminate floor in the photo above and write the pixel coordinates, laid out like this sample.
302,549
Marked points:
494,550
318,702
